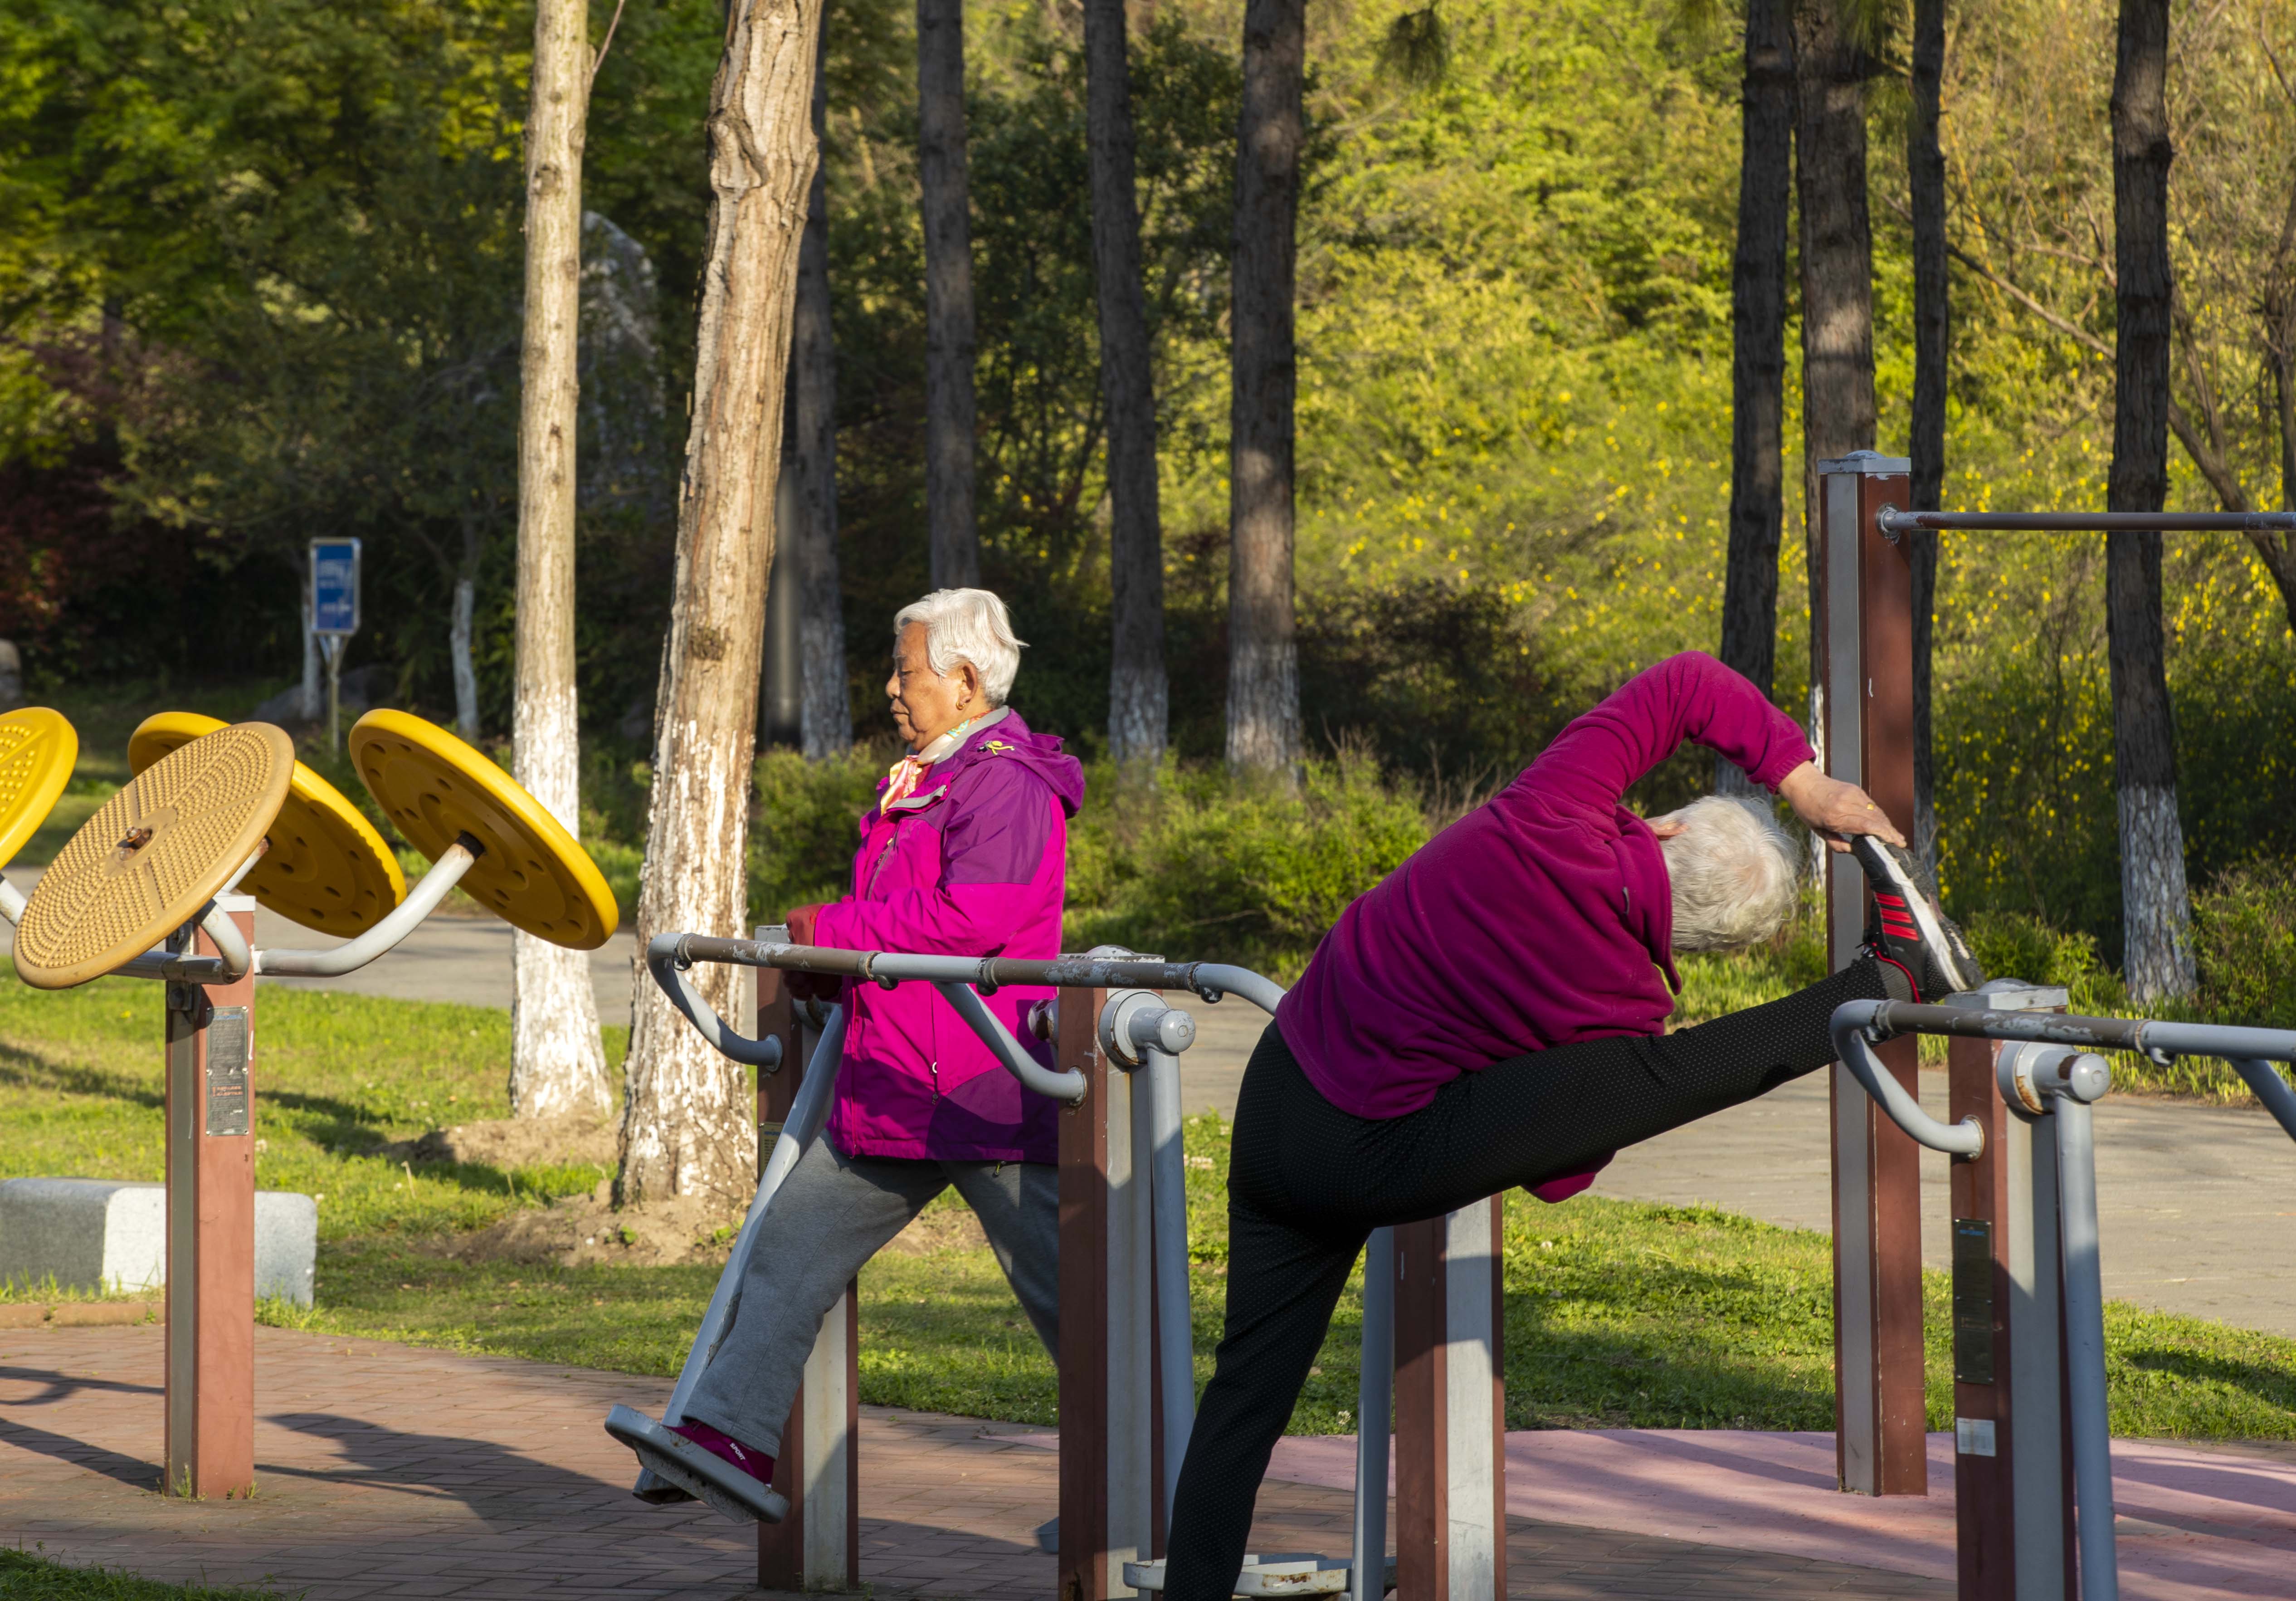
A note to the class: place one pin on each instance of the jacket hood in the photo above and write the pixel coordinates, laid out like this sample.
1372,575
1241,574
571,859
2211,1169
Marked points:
1011,739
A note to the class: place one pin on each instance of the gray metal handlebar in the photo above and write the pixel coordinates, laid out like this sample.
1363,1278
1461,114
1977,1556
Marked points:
663,961
1854,1023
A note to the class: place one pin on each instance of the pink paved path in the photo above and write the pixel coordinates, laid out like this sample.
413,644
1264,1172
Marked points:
387,1471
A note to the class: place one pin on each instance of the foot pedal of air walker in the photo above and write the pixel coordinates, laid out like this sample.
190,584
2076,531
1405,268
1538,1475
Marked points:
685,1465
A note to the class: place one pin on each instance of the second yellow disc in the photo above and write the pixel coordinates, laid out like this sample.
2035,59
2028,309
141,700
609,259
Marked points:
325,866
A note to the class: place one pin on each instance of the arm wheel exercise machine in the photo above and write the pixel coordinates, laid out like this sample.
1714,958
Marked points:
145,890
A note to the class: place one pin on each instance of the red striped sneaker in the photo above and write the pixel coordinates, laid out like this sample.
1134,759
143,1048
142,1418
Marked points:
1908,929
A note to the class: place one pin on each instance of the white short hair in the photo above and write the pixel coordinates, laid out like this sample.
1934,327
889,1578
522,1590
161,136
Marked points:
967,626
1734,872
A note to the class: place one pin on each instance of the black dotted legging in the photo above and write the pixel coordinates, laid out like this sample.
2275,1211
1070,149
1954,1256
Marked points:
1307,1182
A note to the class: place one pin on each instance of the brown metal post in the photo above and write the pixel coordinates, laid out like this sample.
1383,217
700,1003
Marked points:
210,1341
1866,696
1107,1486
1450,1407
818,1546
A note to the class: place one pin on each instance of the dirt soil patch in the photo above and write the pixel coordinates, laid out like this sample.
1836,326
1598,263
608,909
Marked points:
510,1143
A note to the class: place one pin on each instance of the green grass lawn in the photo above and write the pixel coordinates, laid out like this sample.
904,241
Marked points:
1617,1314
26,1576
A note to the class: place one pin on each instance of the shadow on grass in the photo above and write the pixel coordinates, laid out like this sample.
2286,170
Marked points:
2274,1386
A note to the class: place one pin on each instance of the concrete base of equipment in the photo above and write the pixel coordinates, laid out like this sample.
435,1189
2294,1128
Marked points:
94,1233
697,1473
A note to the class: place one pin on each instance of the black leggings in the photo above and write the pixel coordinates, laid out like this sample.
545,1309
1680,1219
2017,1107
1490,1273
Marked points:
1307,1182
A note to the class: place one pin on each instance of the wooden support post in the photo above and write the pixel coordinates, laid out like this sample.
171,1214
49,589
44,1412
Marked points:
1109,1427
2013,1479
817,1547
1865,693
1450,1407
210,1344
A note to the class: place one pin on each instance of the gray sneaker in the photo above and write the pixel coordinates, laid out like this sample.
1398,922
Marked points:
1908,929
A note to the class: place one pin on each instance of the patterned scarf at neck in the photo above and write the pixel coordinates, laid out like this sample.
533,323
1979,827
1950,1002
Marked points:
902,777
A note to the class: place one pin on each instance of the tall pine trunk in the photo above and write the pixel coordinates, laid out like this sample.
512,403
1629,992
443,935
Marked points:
2156,947
949,417
825,718
1138,695
1262,683
689,1124
557,1064
1932,351
1830,66
1758,370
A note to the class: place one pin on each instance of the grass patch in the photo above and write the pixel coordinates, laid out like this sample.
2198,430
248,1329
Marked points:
27,1577
340,1078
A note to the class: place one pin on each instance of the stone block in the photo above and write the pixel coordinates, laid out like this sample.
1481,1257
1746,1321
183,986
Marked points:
94,1233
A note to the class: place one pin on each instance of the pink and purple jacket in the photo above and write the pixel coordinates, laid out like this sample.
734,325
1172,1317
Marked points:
973,863
1542,918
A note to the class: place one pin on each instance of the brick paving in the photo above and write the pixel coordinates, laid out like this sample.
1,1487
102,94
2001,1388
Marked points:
385,1471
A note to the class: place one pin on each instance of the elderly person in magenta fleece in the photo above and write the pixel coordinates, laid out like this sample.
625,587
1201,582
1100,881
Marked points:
1493,1015
963,853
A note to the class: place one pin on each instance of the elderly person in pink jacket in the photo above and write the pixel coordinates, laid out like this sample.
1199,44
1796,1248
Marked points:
964,853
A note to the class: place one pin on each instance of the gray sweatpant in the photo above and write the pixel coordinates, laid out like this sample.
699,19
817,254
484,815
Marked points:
832,1214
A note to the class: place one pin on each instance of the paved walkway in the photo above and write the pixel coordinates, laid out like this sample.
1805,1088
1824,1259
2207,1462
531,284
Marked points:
386,1471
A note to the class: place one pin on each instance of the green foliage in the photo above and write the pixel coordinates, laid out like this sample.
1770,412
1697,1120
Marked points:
1205,866
2245,941
806,827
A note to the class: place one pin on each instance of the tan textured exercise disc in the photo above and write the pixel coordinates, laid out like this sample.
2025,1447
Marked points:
156,853
326,868
533,875
37,750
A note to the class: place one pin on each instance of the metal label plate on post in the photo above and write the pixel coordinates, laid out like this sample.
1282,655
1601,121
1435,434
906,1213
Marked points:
1972,1303
226,1072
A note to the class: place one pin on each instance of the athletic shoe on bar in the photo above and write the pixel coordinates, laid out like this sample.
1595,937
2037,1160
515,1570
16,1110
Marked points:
703,1462
1908,928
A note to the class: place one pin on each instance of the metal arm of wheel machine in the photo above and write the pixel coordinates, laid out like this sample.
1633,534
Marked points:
2052,1069
236,958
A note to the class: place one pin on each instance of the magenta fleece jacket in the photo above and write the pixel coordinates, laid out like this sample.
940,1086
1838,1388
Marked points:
973,863
1540,918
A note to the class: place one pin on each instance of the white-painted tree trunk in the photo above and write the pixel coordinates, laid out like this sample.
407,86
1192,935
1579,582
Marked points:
557,1064
2157,944
689,1123
458,650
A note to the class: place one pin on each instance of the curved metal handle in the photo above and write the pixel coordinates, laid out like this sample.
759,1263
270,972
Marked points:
2265,1082
1216,979
1851,1021
1068,1088
669,970
354,954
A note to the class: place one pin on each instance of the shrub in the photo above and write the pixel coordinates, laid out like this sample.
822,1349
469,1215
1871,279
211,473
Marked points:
2017,945
801,844
1209,868
2244,942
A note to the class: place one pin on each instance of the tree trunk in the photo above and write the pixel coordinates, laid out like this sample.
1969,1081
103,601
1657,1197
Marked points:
557,1064
1932,350
1757,373
2156,949
689,1125
1830,66
314,703
1138,693
826,719
1263,671
949,424
458,654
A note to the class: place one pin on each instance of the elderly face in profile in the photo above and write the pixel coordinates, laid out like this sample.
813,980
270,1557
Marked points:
955,656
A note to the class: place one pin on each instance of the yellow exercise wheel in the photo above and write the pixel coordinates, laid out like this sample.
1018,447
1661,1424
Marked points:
37,752
326,868
153,855
532,874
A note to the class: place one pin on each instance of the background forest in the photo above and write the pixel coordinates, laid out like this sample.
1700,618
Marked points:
260,266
